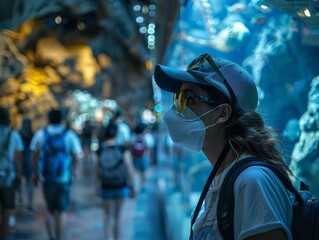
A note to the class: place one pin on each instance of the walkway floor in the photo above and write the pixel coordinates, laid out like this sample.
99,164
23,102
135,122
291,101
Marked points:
141,218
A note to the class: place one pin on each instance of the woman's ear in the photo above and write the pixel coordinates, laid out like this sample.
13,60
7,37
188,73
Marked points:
225,111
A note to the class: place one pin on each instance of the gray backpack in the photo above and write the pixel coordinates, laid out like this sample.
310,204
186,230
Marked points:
7,168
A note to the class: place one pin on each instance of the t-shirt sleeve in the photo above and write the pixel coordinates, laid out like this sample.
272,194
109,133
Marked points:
262,203
76,146
18,143
35,144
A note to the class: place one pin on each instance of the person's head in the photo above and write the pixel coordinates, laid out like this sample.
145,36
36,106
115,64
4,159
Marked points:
215,102
215,90
26,127
227,77
55,116
4,116
139,129
110,131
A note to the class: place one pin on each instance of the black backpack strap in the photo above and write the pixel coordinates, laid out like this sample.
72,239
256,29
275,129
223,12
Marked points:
207,185
226,201
46,134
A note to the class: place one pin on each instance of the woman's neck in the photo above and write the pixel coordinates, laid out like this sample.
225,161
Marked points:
213,154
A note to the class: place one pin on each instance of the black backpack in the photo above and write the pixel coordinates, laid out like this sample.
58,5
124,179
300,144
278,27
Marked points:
305,223
111,167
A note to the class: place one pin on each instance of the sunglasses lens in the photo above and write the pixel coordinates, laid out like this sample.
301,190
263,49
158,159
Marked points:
181,101
175,97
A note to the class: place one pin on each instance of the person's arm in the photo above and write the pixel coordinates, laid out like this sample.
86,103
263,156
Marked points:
97,178
128,160
77,157
18,155
263,209
76,152
277,234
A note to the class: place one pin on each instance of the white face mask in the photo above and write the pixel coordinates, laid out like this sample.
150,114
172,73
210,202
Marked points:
187,130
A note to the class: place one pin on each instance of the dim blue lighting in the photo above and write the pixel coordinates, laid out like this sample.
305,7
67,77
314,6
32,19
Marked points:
158,108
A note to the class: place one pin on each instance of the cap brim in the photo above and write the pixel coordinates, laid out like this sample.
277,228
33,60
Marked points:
171,79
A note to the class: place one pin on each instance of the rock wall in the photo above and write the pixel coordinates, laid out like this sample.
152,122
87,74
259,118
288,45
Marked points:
305,155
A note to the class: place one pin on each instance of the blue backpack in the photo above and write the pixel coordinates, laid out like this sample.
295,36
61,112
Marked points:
56,162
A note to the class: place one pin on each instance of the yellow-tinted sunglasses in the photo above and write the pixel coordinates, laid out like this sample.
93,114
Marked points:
183,96
195,64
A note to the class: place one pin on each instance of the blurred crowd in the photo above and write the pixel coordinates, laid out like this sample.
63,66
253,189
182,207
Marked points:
25,164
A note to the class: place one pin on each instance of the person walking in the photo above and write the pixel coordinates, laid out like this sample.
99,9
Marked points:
140,153
124,131
86,137
55,153
214,111
11,148
116,178
26,134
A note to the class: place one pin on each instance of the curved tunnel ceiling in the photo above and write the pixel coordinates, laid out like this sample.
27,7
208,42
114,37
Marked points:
50,47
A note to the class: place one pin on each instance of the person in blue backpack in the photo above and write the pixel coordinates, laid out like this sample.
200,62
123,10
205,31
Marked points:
55,152
214,111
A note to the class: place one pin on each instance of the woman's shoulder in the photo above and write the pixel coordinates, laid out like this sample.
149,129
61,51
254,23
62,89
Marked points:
259,179
255,174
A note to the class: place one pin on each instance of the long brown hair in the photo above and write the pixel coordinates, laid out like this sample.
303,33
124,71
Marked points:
248,133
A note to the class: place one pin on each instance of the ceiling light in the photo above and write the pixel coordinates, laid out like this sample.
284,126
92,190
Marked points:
137,8
58,19
307,12
143,30
151,31
139,19
152,7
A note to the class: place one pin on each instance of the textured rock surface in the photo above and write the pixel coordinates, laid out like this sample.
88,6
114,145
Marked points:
50,48
305,155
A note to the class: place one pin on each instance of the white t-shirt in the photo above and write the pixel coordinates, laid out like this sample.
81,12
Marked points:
123,133
149,139
72,142
15,142
262,203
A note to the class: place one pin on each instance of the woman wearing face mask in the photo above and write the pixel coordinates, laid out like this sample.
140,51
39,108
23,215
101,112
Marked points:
214,112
